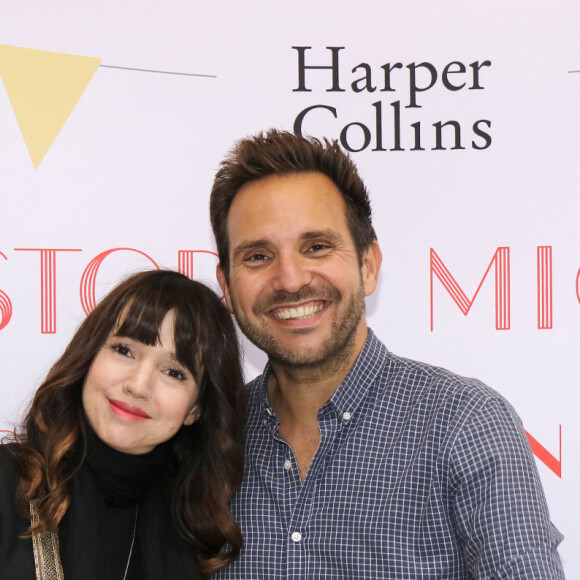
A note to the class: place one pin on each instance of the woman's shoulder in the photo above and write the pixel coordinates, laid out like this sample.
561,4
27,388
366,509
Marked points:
7,457
16,554
8,466
8,481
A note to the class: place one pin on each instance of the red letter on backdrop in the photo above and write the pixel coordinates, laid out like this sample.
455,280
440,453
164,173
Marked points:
5,305
5,309
89,277
501,259
185,261
544,287
47,286
545,456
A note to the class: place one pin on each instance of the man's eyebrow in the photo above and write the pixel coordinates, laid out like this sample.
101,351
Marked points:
326,234
244,247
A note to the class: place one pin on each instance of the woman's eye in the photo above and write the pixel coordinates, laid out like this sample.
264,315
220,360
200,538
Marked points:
175,374
122,349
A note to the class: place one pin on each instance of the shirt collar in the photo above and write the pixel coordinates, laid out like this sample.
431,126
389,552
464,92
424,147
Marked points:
350,393
353,389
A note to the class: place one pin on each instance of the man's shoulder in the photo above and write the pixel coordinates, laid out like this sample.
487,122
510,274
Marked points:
451,406
416,378
423,380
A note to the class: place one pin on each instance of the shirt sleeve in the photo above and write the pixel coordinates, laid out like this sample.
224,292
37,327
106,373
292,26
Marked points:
500,512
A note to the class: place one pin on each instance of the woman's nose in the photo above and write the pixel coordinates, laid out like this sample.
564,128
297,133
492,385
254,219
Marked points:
140,383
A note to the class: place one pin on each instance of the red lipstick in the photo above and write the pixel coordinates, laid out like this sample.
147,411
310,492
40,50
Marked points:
127,411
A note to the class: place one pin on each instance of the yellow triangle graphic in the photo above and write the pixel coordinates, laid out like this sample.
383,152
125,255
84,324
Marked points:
44,88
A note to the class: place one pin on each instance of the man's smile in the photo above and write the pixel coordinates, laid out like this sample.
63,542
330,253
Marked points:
301,312
296,282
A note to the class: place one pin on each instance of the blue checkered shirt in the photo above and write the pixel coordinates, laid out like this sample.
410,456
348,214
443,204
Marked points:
419,474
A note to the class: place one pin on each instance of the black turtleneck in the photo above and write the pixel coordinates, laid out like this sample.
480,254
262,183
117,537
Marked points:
121,480
121,477
96,531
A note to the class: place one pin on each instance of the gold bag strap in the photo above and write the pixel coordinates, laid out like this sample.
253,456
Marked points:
46,551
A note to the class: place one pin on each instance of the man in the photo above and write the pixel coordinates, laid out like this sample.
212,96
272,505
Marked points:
359,464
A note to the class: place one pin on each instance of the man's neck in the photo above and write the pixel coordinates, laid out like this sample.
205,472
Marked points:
300,389
297,393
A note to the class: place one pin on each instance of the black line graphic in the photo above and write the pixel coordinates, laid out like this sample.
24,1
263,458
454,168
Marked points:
163,72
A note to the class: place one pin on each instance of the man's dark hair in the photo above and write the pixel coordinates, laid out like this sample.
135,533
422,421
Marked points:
278,153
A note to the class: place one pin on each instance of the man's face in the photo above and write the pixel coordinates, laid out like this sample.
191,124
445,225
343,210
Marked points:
296,285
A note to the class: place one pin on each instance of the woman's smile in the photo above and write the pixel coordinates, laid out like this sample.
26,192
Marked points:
127,411
136,395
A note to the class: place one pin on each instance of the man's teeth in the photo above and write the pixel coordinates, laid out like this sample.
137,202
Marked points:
300,313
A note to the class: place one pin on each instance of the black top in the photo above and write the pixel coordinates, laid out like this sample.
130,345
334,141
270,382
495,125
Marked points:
96,532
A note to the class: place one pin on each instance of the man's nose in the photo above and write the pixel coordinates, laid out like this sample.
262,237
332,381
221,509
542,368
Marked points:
291,272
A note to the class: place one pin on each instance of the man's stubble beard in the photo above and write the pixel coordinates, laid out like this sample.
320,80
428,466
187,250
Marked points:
333,353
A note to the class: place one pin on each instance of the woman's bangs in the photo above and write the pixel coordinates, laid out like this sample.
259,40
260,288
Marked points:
145,310
186,336
141,321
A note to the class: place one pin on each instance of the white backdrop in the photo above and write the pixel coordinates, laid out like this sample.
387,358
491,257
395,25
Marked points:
112,127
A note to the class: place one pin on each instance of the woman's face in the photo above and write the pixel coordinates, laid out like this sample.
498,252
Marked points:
138,396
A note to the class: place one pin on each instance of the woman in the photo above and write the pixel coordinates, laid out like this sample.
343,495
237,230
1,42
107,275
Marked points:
130,452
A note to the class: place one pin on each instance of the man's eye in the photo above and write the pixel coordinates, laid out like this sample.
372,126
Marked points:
175,374
122,349
257,258
318,248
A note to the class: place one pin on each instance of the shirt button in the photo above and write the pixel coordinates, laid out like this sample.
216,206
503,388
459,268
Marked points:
296,536
287,465
347,416
269,411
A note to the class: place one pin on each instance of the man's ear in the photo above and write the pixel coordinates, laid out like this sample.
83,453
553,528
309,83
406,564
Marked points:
371,265
192,416
221,277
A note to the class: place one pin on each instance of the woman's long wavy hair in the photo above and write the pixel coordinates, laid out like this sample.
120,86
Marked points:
50,446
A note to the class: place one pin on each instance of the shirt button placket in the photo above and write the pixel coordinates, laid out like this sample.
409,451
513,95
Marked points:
294,562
